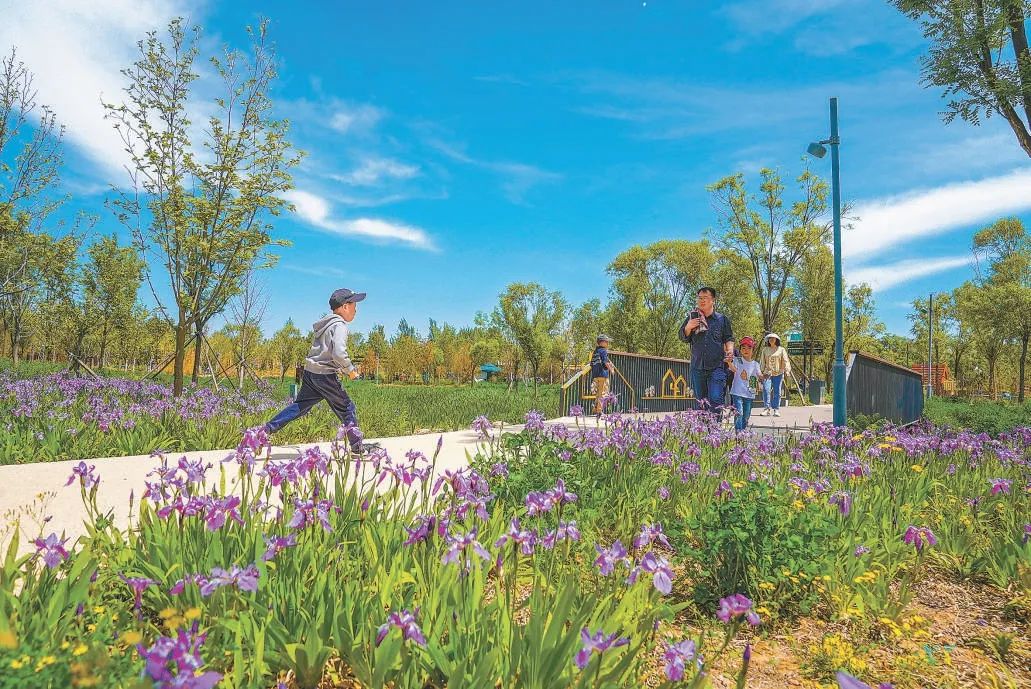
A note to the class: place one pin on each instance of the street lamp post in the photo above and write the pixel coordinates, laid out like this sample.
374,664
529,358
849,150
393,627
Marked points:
818,150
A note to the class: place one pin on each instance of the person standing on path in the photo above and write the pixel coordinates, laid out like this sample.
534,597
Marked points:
712,345
326,358
601,368
744,368
775,364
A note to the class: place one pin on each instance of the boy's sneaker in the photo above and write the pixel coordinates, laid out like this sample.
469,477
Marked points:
365,449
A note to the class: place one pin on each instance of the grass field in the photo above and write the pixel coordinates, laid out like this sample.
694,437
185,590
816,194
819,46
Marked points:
49,416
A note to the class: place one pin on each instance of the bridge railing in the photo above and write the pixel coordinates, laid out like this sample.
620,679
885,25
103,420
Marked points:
640,382
876,386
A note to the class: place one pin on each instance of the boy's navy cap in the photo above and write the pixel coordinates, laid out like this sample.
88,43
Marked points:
344,296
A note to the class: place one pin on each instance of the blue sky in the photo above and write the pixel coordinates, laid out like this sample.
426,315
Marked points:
454,147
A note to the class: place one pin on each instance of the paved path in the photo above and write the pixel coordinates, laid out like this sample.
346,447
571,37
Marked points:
30,492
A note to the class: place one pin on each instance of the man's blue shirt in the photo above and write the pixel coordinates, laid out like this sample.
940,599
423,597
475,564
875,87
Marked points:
707,347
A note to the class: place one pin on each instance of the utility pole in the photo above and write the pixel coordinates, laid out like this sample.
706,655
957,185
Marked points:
930,339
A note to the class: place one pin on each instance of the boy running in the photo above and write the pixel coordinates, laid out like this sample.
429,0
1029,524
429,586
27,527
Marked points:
743,368
326,358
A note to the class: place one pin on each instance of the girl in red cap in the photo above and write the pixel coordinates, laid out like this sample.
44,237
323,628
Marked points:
744,369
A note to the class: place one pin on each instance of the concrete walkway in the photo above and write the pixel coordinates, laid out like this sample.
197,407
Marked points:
29,493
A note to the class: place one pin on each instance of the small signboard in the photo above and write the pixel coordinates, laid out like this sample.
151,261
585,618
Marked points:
804,348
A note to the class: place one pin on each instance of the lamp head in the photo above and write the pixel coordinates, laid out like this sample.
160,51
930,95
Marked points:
816,150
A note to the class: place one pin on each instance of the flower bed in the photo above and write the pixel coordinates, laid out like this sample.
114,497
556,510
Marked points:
640,553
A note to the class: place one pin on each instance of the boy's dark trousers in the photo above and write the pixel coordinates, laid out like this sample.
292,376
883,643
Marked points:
314,388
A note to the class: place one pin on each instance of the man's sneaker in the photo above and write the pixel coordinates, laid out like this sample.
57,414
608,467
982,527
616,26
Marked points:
776,412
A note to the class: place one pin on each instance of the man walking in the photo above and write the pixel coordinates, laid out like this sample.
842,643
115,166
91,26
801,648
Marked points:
326,358
712,344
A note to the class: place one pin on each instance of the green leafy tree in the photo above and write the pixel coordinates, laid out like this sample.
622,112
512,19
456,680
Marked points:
111,283
774,240
979,55
288,347
531,316
201,209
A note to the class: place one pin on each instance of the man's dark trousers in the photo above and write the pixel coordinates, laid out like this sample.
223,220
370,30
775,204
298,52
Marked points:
316,387
710,387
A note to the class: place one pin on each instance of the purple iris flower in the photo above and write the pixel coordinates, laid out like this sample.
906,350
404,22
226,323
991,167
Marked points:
538,503
53,550
219,509
576,411
244,579
1000,485
861,550
405,621
565,530
483,426
534,421
459,544
843,500
138,586
735,606
559,495
421,530
524,538
724,489
499,469
274,544
918,536
175,662
677,656
86,474
663,493
598,643
658,567
847,681
307,512
1027,533
609,557
651,533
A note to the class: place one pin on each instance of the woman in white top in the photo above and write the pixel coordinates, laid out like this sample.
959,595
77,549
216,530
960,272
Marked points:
775,364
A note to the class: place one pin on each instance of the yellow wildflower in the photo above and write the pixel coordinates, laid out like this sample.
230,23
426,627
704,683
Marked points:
166,613
132,638
917,468
798,505
738,484
80,649
192,614
17,664
98,609
8,639
65,646
766,586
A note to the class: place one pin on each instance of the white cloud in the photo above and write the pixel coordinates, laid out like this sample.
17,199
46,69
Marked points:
882,277
75,50
372,171
517,178
349,118
890,221
316,211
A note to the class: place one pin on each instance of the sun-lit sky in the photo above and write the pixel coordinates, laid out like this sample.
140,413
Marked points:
454,147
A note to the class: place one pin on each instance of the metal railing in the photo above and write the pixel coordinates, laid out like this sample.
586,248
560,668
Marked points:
880,387
642,383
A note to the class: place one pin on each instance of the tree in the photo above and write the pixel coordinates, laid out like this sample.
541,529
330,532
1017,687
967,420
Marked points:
979,55
201,208
1003,252
652,288
584,327
288,347
247,309
773,241
531,316
860,327
111,282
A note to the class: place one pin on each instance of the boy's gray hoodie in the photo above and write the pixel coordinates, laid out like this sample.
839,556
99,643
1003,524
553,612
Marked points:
328,353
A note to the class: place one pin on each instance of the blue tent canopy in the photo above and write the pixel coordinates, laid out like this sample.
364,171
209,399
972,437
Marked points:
490,368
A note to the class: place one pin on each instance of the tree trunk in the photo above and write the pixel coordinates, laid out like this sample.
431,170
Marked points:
991,377
180,354
1023,362
195,374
